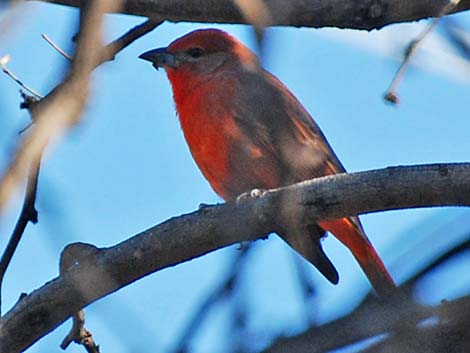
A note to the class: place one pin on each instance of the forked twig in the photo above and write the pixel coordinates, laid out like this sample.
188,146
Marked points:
65,102
3,62
80,335
391,94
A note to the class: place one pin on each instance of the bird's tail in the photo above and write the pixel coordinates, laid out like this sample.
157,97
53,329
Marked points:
307,242
350,233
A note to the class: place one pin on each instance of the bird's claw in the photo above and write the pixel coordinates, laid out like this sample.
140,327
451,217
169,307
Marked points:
255,193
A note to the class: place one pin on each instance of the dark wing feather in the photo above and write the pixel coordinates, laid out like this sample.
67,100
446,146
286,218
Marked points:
282,129
277,122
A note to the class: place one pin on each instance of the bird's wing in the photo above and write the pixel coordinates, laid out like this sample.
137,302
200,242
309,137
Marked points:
281,126
277,122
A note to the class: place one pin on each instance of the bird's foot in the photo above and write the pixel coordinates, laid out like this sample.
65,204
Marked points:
255,193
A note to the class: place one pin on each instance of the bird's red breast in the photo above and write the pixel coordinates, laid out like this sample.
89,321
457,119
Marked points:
246,130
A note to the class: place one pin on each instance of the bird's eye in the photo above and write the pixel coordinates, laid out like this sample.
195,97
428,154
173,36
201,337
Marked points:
195,52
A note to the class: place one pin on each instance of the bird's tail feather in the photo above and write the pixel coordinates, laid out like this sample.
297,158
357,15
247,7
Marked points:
307,243
352,235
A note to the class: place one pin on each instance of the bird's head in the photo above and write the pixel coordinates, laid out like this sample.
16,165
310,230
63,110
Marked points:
200,53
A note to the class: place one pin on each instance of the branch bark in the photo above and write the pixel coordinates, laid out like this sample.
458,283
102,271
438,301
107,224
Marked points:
356,14
96,272
395,322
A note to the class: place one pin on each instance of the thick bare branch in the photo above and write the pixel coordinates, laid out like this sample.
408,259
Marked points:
102,271
357,14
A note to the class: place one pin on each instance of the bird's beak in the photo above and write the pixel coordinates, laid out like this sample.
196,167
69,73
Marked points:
159,58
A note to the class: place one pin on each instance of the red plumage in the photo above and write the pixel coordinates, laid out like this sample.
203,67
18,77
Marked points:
246,130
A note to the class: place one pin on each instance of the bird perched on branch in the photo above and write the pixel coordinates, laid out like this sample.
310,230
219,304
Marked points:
247,131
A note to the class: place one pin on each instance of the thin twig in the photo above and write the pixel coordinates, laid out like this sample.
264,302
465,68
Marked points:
391,94
56,47
66,101
80,335
3,61
28,214
110,50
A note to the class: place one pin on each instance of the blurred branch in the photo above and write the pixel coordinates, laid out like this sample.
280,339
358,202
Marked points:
71,87
62,107
396,321
357,14
371,319
407,287
217,294
449,335
105,270
256,13
55,113
306,286
391,94
455,35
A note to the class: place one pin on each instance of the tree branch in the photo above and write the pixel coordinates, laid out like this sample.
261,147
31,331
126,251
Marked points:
28,214
95,272
61,109
373,318
357,14
391,94
397,322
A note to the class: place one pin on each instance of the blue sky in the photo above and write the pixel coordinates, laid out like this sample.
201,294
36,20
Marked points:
126,167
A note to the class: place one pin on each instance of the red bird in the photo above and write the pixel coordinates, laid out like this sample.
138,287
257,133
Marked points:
246,130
